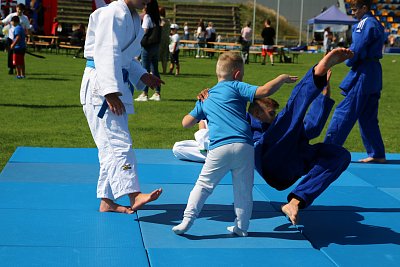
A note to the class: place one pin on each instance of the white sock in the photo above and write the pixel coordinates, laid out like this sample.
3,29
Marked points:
183,227
237,231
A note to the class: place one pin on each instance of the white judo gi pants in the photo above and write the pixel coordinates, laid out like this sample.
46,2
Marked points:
117,159
237,158
193,150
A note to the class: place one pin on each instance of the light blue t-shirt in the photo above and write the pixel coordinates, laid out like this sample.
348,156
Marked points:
225,111
19,31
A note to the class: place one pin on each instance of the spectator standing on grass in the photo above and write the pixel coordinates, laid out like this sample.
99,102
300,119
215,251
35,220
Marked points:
164,42
24,22
150,52
18,46
245,40
201,35
186,32
211,37
174,50
268,35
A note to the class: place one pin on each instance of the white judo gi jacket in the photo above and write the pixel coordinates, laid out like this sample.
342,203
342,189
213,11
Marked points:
112,42
111,30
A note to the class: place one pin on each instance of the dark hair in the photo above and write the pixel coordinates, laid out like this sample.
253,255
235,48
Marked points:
153,12
360,3
265,101
15,19
201,24
21,6
161,9
268,21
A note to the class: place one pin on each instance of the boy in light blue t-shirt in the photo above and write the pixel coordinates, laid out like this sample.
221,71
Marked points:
231,140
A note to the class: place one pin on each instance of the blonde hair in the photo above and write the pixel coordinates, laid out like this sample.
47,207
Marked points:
227,63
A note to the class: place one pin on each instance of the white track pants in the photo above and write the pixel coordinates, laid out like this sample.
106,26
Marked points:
237,158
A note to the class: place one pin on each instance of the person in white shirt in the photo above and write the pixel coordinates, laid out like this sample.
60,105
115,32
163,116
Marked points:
246,34
174,49
24,22
112,43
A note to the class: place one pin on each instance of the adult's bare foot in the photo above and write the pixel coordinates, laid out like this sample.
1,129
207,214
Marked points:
373,160
140,199
107,205
336,56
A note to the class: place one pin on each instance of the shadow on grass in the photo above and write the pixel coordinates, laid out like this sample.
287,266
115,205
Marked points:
192,100
39,106
48,79
191,75
33,74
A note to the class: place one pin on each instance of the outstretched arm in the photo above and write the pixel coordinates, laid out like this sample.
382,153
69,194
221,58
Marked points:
272,86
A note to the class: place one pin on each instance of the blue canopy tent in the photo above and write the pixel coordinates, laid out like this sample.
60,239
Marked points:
331,16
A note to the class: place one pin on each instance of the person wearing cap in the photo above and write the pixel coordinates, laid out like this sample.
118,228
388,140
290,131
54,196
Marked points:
174,49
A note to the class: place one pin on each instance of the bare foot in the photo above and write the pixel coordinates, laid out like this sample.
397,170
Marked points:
327,89
107,205
291,210
140,199
336,56
373,160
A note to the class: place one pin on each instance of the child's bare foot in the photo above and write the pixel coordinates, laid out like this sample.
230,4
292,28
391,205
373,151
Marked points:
373,160
336,56
107,205
140,199
327,89
291,210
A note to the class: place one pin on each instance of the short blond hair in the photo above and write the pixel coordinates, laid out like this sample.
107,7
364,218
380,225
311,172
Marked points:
227,63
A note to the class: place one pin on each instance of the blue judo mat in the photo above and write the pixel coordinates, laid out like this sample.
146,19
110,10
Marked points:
49,217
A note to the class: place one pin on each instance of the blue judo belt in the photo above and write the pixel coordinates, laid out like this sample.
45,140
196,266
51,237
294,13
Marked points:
125,76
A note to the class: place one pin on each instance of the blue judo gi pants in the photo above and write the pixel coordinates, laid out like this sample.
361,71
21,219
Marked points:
362,105
284,155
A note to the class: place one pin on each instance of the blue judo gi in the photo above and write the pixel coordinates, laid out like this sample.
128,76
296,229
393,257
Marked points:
282,150
362,89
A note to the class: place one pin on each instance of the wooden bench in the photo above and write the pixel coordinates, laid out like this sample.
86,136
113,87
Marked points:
68,47
39,41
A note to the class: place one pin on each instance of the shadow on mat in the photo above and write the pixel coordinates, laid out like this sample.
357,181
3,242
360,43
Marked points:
345,226
389,161
322,226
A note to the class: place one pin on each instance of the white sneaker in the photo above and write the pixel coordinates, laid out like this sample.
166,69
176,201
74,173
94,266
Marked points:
237,231
155,97
142,98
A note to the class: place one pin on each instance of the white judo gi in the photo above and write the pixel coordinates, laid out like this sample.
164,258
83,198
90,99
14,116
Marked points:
193,150
112,42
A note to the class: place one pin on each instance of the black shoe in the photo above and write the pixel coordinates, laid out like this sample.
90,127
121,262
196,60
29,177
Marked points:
11,72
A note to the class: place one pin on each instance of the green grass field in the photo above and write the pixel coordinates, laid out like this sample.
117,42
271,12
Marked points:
44,110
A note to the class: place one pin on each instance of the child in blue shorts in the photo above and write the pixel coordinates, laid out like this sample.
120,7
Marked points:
231,142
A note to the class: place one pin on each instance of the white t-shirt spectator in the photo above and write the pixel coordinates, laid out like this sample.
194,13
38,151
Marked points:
147,22
23,21
174,39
